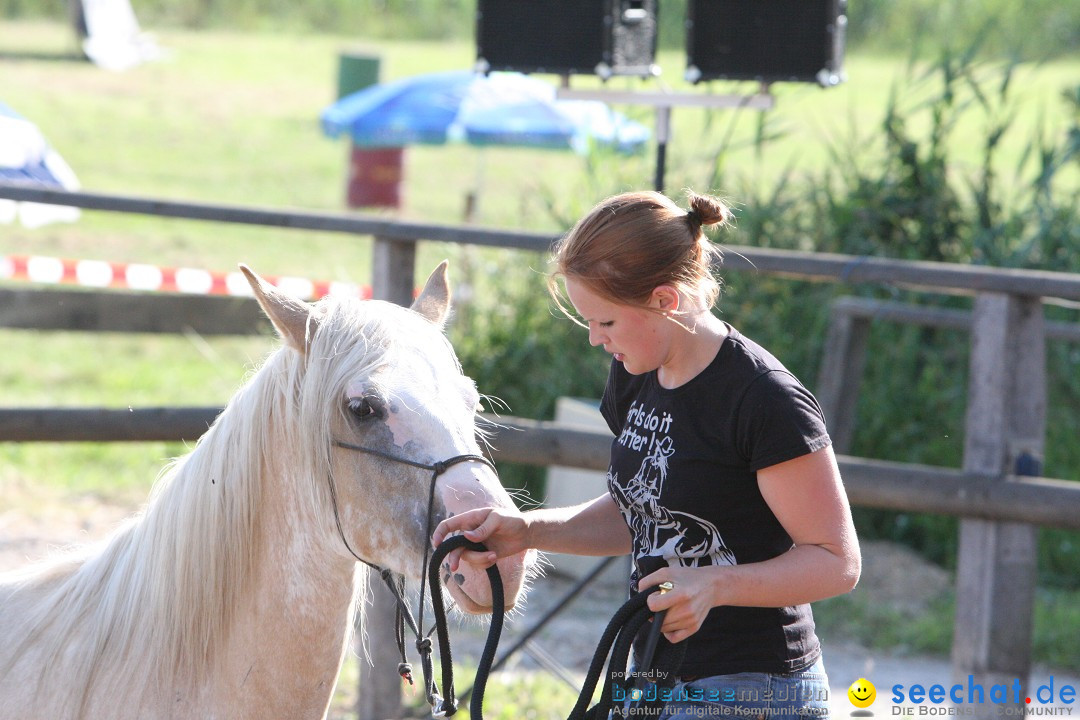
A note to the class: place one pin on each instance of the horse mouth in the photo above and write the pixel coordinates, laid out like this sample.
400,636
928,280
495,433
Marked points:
466,603
471,589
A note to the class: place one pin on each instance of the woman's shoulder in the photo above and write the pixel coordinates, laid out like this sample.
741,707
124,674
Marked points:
750,370
744,353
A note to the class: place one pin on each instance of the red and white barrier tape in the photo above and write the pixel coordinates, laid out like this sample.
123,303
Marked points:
139,276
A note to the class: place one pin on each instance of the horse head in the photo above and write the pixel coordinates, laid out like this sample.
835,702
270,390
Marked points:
384,380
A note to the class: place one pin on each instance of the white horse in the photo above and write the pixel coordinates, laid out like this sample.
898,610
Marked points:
231,595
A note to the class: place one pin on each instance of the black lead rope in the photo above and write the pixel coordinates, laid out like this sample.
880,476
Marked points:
620,633
487,657
396,582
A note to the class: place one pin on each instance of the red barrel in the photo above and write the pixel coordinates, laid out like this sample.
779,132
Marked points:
375,177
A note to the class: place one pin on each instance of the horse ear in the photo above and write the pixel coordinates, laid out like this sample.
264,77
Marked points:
434,301
289,315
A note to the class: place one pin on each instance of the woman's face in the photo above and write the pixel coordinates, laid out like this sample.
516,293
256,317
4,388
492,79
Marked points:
635,336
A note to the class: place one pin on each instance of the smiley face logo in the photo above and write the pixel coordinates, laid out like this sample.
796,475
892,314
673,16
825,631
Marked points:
862,693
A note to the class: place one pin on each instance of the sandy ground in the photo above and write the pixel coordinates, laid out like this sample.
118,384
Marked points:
892,574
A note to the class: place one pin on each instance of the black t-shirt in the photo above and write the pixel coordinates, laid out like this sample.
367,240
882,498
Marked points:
683,471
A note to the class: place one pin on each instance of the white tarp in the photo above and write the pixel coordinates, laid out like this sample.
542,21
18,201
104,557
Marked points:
113,38
25,157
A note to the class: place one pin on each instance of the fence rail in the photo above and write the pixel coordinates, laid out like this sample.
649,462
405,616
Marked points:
870,483
129,312
940,277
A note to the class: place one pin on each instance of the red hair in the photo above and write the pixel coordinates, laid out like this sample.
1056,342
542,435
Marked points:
630,244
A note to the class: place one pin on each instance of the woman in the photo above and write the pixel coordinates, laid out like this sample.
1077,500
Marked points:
721,474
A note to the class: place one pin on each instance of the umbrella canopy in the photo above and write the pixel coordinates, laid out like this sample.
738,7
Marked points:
26,158
462,106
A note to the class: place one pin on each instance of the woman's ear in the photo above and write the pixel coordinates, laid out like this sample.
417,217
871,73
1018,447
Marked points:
666,299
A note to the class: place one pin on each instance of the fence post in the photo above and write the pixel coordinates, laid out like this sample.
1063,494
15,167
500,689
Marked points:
1005,434
841,373
393,269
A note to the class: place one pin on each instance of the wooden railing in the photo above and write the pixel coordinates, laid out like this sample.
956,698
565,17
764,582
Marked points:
998,492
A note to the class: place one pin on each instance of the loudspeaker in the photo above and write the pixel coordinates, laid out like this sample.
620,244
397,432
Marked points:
766,40
567,37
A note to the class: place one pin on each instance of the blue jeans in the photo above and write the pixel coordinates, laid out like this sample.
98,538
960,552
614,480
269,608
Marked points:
747,696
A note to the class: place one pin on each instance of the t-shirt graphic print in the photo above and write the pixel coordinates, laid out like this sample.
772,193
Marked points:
670,537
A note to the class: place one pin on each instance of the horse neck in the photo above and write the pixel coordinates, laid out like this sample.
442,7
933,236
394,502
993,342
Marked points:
288,636
288,621
225,576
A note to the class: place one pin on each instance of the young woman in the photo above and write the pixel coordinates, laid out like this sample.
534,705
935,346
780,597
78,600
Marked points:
721,472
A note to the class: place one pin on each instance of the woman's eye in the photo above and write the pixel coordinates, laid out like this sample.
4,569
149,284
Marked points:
364,408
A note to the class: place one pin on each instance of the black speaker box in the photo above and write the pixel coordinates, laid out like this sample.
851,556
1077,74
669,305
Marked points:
766,40
567,37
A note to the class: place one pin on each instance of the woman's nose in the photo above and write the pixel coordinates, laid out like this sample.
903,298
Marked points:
596,337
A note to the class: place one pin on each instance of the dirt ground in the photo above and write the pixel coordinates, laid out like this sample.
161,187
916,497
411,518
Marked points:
891,574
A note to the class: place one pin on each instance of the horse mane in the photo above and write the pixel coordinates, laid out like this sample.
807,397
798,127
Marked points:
158,600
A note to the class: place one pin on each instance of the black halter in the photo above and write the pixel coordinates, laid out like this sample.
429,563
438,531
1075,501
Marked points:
440,707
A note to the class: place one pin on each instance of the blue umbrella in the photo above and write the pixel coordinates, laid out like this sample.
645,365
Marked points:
462,106
25,157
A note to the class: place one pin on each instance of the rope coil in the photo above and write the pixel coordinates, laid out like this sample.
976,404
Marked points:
618,639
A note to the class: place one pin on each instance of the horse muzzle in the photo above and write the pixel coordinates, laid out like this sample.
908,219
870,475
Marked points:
471,590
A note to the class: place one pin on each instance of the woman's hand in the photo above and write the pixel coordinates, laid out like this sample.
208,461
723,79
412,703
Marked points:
503,531
687,603
807,497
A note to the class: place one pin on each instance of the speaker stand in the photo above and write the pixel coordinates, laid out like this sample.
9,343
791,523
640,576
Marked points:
663,103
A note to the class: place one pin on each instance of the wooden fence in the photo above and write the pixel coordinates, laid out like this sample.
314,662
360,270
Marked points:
998,492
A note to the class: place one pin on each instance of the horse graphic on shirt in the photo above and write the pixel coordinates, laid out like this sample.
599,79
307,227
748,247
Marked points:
660,532
692,541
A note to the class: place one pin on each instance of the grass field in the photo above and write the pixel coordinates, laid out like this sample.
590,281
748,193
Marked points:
233,118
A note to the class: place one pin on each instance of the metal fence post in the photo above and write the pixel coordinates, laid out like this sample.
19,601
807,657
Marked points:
1005,434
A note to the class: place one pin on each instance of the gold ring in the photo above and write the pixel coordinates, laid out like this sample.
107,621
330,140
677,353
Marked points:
666,587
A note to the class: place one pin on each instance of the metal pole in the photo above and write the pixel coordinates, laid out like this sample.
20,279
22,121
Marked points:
663,133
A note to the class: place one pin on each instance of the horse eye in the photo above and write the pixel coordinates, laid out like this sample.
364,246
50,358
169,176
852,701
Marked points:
365,408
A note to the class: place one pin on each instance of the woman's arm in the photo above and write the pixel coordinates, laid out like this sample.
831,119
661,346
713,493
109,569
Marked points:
592,528
808,498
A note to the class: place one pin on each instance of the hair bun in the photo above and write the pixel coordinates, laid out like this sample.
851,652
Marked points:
707,210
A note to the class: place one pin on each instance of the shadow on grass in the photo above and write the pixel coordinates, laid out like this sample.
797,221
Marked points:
42,57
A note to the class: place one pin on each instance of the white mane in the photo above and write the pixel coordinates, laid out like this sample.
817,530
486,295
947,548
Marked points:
158,600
